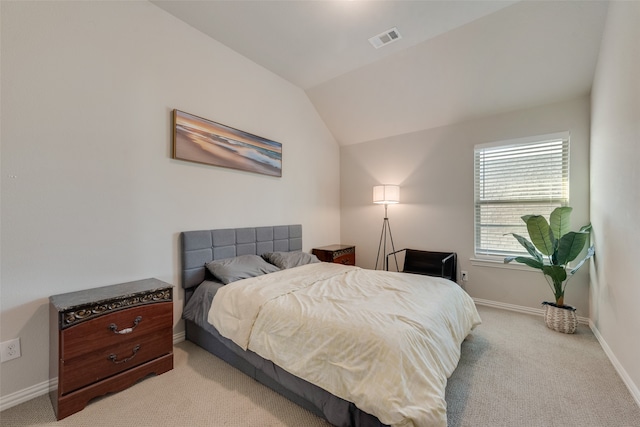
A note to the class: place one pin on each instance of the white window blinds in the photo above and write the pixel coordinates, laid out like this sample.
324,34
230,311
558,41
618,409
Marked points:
516,178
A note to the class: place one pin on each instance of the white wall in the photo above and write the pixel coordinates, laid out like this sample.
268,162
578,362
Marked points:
90,195
615,190
435,171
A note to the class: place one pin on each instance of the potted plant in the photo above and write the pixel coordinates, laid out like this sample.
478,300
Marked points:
552,247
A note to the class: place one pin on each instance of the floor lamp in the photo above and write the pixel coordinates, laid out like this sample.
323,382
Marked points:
386,195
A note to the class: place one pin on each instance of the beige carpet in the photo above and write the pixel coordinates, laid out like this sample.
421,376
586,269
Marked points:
513,372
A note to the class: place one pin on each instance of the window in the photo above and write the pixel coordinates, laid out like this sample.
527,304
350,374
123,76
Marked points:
516,178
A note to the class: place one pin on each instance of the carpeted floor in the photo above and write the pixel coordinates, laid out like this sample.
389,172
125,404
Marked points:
513,372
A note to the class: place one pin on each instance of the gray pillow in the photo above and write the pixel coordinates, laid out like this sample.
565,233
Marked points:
285,260
241,267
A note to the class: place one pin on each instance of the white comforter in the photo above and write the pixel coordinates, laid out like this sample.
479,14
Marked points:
385,341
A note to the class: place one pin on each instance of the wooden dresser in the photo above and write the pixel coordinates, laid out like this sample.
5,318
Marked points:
340,254
105,339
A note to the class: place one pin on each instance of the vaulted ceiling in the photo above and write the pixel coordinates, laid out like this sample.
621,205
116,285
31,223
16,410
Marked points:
455,60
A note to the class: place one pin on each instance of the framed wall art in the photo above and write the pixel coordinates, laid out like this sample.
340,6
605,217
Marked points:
203,141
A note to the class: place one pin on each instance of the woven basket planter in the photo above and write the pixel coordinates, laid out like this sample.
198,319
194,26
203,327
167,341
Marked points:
560,318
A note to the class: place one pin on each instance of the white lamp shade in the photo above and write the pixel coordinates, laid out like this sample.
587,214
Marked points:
386,194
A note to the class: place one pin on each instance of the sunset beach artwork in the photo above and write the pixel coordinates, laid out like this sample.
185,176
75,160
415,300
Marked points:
202,141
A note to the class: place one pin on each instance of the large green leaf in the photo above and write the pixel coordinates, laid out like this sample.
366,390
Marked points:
560,221
525,218
540,233
570,246
528,246
557,273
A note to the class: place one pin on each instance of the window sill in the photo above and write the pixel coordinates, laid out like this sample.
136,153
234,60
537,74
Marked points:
499,263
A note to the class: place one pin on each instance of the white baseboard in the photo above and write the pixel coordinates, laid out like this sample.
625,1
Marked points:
635,392
520,308
44,387
179,337
26,394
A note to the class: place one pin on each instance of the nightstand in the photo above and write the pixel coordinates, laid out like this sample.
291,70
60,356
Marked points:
105,339
340,254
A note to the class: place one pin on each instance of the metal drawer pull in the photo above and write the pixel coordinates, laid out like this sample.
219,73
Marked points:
115,330
113,357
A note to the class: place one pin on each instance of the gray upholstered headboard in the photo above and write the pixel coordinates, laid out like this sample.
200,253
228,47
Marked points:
197,248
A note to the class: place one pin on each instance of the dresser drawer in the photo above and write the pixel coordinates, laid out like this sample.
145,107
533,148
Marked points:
95,365
115,328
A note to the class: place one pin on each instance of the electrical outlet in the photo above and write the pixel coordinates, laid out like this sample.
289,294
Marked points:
10,349
465,276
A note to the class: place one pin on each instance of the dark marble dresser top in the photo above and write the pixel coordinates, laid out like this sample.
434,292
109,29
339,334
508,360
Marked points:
105,294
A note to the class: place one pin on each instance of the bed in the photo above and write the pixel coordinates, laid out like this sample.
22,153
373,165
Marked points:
338,391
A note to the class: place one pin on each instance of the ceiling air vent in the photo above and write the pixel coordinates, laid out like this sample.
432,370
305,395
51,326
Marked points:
385,38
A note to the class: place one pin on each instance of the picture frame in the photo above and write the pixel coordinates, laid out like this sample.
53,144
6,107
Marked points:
203,141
